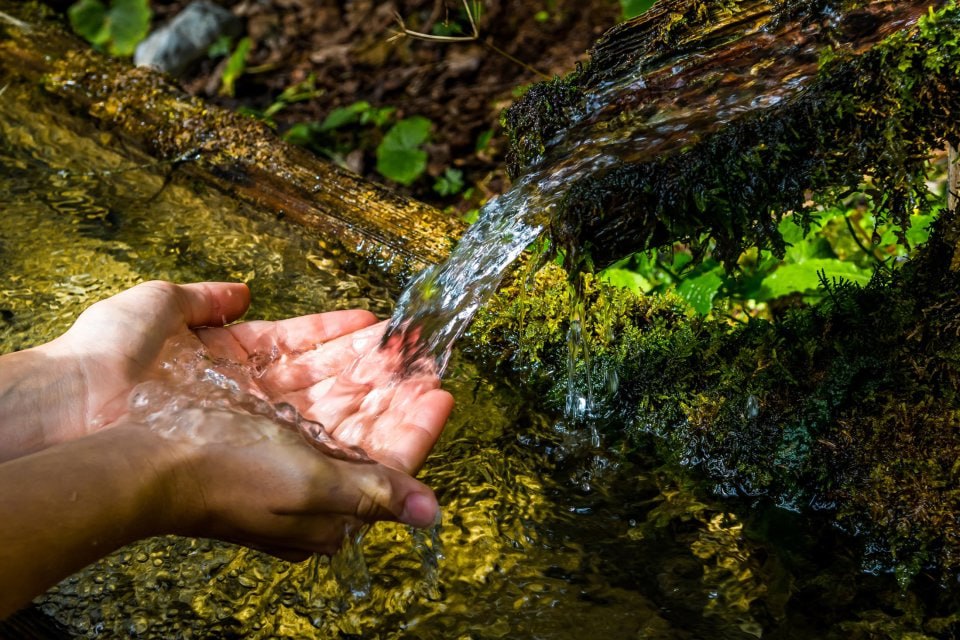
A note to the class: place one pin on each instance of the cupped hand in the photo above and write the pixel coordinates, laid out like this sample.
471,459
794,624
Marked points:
329,366
248,480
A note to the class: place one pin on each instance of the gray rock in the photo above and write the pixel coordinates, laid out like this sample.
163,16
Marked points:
186,38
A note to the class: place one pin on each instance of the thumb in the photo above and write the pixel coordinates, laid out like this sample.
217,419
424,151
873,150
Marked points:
372,491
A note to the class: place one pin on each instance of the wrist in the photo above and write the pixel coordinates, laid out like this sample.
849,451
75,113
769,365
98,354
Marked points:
38,391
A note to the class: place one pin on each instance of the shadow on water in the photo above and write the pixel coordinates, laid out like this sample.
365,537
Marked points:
545,535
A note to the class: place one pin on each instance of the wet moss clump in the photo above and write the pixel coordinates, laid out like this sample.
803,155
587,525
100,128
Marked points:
850,408
876,113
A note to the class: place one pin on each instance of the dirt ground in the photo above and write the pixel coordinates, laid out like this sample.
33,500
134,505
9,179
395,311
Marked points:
461,86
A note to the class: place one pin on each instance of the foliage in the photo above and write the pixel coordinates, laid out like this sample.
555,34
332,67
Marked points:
834,249
450,183
876,114
235,67
400,156
399,152
849,406
300,92
118,28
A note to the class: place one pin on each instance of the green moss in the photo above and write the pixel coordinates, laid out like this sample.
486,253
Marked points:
851,408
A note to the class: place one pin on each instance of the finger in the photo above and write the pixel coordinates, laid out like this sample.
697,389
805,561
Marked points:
300,334
211,304
403,439
372,492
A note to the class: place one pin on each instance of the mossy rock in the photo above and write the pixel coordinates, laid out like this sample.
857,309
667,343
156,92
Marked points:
870,100
850,408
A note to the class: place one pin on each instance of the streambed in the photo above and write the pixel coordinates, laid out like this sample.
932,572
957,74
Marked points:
544,536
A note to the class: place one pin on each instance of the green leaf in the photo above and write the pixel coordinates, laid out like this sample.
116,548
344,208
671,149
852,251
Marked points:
804,277
129,22
301,133
119,28
236,65
450,183
378,117
626,279
633,8
221,47
699,292
343,116
399,156
919,231
483,140
88,18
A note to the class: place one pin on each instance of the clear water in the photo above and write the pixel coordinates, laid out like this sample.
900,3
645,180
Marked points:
544,536
660,105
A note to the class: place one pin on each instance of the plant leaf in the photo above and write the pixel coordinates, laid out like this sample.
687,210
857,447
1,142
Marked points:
803,277
699,292
626,279
399,156
129,23
88,17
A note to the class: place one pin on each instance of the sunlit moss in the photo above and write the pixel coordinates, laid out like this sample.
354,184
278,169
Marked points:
851,407
876,114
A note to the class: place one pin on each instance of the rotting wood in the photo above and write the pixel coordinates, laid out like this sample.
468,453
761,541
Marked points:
236,153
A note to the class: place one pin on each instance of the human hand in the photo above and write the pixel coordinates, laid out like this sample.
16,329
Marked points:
246,479
360,391
82,378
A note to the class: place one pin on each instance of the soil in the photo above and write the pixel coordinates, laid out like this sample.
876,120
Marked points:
349,48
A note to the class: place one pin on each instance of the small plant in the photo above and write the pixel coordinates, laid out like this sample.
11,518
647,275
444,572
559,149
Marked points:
118,28
400,156
450,183
235,67
399,152
848,245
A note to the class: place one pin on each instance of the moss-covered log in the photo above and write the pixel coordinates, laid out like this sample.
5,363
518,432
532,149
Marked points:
850,407
734,112
236,153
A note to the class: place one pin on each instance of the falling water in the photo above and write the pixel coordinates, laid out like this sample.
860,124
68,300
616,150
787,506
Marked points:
660,105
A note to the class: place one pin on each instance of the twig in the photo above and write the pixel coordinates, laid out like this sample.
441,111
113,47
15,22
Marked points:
473,37
856,238
20,24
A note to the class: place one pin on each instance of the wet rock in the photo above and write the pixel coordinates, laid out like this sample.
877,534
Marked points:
186,38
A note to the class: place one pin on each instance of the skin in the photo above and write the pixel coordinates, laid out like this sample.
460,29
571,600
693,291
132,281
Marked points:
90,478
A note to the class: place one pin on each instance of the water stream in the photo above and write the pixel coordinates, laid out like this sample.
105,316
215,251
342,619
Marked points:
543,536
656,107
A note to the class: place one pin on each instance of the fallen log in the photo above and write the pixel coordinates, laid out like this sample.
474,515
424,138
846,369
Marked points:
727,115
236,153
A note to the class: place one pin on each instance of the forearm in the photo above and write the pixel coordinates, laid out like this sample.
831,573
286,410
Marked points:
66,506
35,385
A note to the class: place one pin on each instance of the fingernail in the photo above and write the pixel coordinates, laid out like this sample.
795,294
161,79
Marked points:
420,510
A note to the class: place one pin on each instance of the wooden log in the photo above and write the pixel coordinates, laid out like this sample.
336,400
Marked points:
236,153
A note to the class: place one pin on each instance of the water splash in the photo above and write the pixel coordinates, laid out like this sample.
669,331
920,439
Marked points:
190,381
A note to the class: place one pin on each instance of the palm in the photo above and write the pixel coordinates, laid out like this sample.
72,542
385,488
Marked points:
330,367
311,365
